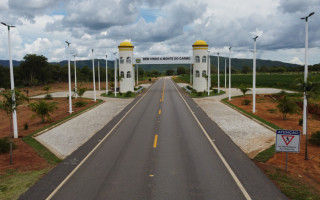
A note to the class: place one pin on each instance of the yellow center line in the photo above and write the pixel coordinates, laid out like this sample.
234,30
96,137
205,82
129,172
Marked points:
159,111
163,90
155,141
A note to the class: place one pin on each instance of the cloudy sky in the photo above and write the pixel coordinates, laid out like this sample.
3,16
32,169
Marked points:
160,27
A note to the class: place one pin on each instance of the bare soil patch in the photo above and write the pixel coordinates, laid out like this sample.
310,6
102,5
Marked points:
25,157
308,171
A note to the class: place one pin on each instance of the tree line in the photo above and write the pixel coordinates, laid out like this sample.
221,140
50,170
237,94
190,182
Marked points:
36,70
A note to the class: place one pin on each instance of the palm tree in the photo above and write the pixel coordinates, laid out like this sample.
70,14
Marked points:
43,109
309,88
244,89
9,105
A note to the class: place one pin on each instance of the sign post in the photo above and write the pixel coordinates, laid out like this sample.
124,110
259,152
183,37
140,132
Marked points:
287,141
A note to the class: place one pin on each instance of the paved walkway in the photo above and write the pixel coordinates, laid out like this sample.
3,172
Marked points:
248,134
66,138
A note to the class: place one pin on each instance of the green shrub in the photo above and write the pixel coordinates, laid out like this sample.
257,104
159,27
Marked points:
287,106
48,97
128,94
244,89
5,145
246,102
189,87
199,94
300,122
272,110
315,138
43,109
215,91
26,126
79,104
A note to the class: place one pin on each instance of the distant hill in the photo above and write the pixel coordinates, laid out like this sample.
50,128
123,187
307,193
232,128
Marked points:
5,63
237,63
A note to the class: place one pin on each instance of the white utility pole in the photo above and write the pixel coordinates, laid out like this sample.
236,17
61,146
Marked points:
305,102
75,75
115,74
225,73
69,78
106,75
229,74
254,77
190,74
137,74
218,74
14,113
208,74
99,74
94,79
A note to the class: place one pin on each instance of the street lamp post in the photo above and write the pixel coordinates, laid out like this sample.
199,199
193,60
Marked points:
137,74
14,113
106,75
75,75
208,73
115,74
225,73
99,74
305,103
229,74
218,74
94,79
254,77
69,78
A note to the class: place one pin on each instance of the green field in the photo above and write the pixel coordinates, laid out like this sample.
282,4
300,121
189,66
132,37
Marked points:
282,81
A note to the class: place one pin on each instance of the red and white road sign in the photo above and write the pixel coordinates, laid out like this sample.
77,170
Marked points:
288,141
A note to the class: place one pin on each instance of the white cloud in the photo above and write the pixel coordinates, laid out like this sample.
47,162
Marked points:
160,27
296,60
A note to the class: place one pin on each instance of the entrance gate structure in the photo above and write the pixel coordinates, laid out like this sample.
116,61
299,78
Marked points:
199,60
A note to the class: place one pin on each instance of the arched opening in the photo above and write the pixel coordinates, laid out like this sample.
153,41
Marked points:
128,60
204,73
197,59
197,73
128,74
204,59
121,60
121,74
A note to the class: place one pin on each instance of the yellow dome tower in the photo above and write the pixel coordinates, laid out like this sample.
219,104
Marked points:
126,71
200,66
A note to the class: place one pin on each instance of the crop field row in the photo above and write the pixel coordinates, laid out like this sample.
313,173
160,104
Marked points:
282,81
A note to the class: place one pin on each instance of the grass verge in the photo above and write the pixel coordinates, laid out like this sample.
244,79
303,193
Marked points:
291,187
205,94
13,183
120,95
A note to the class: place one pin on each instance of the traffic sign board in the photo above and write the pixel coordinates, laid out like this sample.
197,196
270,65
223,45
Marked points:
288,141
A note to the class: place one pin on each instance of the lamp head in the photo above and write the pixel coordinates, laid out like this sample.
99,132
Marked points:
106,55
4,23
68,43
311,14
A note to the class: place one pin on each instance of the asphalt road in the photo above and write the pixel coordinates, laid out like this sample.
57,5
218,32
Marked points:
162,150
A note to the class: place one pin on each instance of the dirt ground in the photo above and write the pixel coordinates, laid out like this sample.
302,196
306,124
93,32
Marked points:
24,157
59,87
307,171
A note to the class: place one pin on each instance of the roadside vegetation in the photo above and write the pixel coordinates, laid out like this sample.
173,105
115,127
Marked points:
14,181
296,184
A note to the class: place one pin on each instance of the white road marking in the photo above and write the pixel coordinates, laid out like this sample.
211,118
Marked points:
235,178
91,152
